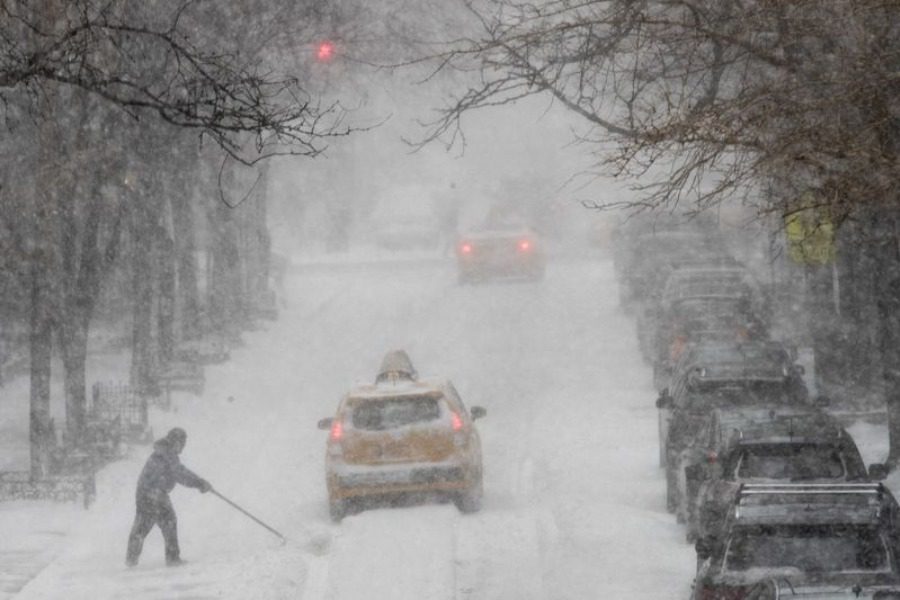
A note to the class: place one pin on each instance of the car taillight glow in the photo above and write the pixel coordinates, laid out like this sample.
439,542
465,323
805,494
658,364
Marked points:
524,245
456,422
337,430
465,248
712,457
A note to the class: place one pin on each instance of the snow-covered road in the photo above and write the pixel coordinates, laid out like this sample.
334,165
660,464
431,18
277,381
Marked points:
574,503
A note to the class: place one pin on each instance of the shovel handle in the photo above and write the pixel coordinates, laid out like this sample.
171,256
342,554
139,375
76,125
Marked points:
257,521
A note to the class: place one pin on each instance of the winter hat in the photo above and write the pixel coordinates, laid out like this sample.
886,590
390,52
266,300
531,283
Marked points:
177,434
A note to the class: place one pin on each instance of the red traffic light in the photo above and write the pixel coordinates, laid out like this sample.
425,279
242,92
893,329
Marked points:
324,51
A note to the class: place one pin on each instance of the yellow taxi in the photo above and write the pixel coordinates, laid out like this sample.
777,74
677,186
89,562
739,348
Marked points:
402,435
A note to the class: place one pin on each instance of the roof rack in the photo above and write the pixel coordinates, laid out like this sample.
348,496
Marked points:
756,489
847,502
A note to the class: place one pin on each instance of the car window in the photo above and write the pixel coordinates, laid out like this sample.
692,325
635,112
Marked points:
814,549
792,462
389,413
707,284
454,398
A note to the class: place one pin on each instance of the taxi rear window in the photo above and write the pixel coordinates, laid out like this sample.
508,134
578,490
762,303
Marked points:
389,413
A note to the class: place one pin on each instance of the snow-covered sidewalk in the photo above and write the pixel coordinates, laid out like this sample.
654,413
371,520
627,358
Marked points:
237,436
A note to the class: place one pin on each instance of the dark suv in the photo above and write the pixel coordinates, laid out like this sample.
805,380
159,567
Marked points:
761,371
802,534
783,445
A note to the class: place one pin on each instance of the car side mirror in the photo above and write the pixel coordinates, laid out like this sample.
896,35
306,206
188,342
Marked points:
325,423
664,400
878,471
477,412
704,547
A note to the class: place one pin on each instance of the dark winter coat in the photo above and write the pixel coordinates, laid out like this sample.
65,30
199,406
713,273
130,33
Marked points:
162,471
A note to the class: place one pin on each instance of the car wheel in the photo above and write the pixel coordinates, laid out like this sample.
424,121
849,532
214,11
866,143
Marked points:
660,376
671,491
469,501
691,535
663,438
337,510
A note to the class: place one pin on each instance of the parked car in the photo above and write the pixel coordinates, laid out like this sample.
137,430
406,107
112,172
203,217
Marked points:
775,589
695,321
402,435
712,279
645,258
500,250
758,445
839,535
692,427
712,374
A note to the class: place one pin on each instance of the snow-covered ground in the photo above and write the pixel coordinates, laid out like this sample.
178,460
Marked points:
574,500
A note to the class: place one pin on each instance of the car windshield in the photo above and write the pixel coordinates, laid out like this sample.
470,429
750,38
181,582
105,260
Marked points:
795,462
811,549
710,395
746,354
389,413
712,283
705,308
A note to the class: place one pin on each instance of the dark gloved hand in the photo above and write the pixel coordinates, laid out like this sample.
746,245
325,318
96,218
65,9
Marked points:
204,486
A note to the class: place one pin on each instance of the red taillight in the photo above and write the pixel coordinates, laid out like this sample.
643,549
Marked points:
524,245
456,422
465,248
712,457
337,430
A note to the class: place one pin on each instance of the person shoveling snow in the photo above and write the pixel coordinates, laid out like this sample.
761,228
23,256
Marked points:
160,474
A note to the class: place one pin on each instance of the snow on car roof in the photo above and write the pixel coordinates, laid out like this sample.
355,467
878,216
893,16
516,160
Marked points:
398,387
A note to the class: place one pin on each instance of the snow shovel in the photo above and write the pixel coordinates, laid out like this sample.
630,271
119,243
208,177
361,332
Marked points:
283,539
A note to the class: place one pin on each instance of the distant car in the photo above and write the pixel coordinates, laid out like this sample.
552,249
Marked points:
402,435
500,251
804,535
644,260
406,218
759,445
705,280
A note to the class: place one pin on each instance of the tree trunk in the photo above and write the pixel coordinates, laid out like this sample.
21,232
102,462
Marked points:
41,345
73,341
166,262
143,363
186,283
226,291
